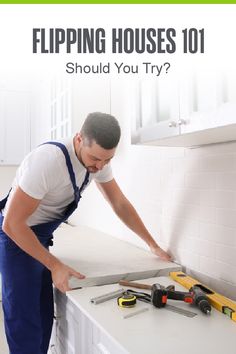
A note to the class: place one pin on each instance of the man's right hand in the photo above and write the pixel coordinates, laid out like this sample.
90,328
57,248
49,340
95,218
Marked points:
61,274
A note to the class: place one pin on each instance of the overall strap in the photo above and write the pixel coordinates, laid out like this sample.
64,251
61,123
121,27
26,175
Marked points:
4,201
77,190
86,179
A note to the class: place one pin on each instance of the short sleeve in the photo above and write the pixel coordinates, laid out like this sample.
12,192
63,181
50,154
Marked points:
105,175
36,174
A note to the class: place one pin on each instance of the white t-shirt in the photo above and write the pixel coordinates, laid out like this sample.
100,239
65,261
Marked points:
43,175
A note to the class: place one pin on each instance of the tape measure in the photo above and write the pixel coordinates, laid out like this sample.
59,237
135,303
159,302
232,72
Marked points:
126,300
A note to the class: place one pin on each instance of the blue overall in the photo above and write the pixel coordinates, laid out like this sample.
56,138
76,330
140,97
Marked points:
27,292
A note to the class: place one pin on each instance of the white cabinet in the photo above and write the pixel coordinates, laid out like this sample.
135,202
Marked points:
211,101
156,110
14,126
192,103
72,330
76,333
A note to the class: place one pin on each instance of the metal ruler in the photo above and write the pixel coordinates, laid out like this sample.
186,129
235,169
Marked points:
179,310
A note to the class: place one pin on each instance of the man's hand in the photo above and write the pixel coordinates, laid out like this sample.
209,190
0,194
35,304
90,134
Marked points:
61,274
158,251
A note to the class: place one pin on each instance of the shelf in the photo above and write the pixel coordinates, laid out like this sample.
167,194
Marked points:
216,135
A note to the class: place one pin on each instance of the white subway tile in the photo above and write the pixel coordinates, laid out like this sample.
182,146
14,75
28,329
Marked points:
207,197
188,196
226,181
177,180
225,235
194,153
226,217
226,272
181,211
208,266
165,167
225,199
207,231
187,258
218,163
226,148
180,227
226,254
207,214
200,247
185,165
217,234
173,152
170,238
200,180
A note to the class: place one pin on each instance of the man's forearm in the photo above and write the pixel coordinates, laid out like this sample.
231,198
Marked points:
132,220
25,238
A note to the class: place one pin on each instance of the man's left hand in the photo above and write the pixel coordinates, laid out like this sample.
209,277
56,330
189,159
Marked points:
159,252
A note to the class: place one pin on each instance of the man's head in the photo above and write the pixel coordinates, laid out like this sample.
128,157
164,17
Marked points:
96,143
102,129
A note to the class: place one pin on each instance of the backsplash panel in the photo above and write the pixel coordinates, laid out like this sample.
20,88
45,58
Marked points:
187,199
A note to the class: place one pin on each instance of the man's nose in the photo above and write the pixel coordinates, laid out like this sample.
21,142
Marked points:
100,165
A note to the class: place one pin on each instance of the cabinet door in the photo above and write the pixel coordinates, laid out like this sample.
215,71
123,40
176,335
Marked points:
227,111
104,344
207,100
158,110
15,126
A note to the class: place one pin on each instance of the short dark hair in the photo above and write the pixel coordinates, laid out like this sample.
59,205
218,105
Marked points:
103,128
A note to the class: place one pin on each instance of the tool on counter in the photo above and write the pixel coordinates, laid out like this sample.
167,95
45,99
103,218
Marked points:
108,296
200,299
220,302
195,296
160,294
158,299
135,285
126,300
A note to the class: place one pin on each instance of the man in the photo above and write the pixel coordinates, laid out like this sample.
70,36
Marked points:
45,192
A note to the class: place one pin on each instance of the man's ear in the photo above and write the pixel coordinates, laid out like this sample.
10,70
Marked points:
79,137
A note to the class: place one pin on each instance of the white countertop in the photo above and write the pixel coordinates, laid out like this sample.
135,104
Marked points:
104,259
158,331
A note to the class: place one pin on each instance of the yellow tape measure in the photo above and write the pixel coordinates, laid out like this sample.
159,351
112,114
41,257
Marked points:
126,300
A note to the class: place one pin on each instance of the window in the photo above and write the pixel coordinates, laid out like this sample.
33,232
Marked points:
60,109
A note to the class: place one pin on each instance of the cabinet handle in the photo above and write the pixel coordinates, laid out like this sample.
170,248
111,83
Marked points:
172,124
182,122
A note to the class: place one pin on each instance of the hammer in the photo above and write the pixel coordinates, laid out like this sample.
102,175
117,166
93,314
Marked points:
135,285
140,286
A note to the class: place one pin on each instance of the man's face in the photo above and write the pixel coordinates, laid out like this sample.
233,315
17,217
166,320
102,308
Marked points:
93,156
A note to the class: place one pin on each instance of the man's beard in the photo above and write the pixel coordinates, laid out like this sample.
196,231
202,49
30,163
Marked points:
91,169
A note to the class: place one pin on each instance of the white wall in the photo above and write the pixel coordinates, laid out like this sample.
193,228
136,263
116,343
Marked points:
186,197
